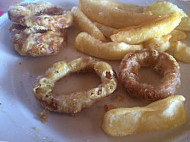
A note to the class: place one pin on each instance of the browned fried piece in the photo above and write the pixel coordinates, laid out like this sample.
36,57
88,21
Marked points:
48,22
16,13
75,101
36,43
161,62
40,16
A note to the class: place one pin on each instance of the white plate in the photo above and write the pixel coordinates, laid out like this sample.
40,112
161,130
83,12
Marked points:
18,110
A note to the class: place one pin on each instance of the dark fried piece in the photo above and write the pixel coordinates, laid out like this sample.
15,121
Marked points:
161,62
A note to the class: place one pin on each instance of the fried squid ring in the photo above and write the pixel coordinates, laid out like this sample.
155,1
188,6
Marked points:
36,43
74,102
161,62
40,16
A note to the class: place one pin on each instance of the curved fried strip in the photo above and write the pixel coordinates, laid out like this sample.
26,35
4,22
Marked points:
86,25
163,114
114,14
160,43
156,28
105,50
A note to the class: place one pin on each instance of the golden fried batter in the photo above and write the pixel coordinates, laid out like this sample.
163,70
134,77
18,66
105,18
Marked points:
161,62
76,101
40,16
36,43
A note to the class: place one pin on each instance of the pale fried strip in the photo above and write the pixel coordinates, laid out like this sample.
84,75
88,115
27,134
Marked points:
160,44
178,35
106,30
110,50
163,114
184,24
114,14
181,51
157,28
163,8
85,25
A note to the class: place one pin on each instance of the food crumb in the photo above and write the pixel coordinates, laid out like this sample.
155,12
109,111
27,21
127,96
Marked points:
44,116
109,107
44,138
73,115
35,128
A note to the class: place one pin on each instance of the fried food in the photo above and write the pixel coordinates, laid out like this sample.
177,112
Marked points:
86,25
157,28
181,51
184,24
16,13
39,43
160,43
108,50
163,114
76,101
178,35
40,28
40,16
114,14
160,62
48,22
107,31
163,8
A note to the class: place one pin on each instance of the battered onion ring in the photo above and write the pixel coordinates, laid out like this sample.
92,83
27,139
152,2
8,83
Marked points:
74,102
43,16
29,43
161,62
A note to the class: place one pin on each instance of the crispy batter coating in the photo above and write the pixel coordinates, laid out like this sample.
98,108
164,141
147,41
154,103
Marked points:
76,101
161,62
36,43
16,13
163,114
87,44
48,22
40,16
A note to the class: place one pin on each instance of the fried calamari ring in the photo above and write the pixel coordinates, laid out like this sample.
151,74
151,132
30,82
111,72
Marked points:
161,62
41,43
43,16
74,102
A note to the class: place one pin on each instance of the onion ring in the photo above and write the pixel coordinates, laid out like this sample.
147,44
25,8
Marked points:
74,102
161,62
43,16
36,43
